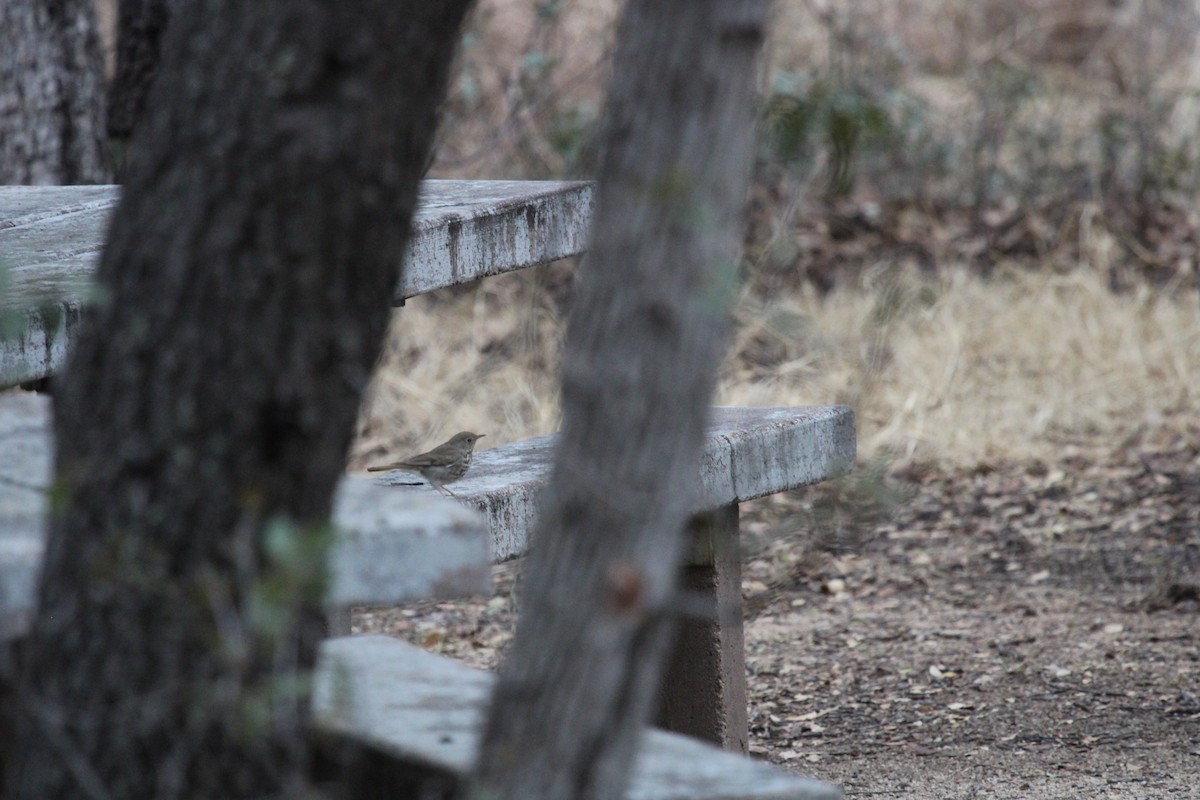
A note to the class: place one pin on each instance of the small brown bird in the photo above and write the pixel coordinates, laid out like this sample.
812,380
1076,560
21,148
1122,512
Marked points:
443,464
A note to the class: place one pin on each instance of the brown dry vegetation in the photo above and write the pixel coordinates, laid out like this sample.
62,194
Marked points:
952,371
966,315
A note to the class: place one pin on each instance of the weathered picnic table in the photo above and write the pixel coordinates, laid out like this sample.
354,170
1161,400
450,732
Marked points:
49,239
388,697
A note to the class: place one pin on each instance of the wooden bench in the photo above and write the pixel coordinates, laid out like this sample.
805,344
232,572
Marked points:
49,239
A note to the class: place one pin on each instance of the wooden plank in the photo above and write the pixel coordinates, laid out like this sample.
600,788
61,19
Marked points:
416,706
391,546
51,237
748,453
465,230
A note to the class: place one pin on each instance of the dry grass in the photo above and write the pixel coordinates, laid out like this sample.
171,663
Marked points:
1028,368
957,371
481,360
962,371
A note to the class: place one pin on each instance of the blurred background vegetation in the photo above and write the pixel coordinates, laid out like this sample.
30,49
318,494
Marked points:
973,220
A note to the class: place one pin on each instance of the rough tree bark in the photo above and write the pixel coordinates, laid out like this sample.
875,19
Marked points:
51,93
203,419
642,350
140,28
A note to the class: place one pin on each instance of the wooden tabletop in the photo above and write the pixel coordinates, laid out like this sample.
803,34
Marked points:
51,237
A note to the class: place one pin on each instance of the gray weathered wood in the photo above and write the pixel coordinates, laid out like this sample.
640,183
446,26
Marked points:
420,707
748,453
391,546
50,238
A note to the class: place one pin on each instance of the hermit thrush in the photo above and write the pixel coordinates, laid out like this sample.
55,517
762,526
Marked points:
441,465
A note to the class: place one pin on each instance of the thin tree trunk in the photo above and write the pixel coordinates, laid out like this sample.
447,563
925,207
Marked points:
642,352
204,416
51,93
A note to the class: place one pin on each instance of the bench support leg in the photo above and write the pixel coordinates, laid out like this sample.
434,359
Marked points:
703,692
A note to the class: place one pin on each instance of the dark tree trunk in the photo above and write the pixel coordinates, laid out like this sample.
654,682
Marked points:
51,93
642,351
140,28
203,419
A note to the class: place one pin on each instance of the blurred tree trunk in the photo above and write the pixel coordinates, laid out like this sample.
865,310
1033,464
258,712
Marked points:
140,28
643,345
51,93
203,419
